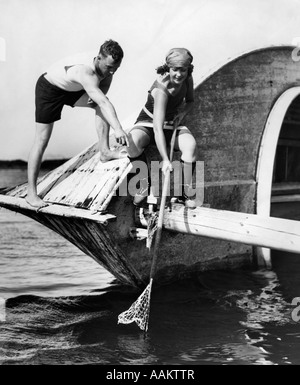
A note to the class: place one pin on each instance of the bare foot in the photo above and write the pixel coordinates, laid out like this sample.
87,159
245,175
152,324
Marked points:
119,153
35,201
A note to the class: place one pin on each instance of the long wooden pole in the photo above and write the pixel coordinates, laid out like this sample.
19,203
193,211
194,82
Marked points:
159,229
162,208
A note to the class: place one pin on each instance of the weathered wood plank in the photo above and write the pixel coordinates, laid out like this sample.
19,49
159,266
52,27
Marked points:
285,198
74,188
251,229
9,202
90,185
107,192
54,177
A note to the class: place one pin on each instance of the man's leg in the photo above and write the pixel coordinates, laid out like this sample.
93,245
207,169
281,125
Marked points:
42,136
103,128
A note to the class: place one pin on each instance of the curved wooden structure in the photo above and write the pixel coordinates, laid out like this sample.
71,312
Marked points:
238,114
240,111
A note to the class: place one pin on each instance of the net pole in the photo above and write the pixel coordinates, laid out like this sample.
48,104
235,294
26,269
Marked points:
140,309
161,217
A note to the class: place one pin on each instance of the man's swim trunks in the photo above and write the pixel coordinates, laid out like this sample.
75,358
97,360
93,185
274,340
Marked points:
50,99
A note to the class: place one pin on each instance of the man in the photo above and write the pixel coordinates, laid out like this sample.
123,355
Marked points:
79,81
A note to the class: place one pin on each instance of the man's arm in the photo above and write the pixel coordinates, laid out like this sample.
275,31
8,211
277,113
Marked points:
90,82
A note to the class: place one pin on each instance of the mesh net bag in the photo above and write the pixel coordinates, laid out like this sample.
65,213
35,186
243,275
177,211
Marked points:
139,310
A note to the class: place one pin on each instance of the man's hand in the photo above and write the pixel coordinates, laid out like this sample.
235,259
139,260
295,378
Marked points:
167,165
121,137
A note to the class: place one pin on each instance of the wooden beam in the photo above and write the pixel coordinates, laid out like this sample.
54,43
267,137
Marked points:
10,203
281,188
289,142
285,198
251,229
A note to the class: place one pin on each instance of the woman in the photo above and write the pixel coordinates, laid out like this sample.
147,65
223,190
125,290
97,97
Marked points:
169,99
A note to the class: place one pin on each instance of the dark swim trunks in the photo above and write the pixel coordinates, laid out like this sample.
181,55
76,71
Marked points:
50,99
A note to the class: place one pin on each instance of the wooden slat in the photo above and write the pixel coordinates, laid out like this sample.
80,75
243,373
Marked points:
285,188
101,202
9,202
285,198
251,229
56,176
74,188
90,185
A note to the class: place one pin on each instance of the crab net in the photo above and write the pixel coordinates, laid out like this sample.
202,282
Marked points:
139,310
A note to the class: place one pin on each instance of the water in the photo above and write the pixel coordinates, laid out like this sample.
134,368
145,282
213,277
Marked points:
61,307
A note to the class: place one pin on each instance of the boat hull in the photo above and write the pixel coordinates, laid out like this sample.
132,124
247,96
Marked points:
111,243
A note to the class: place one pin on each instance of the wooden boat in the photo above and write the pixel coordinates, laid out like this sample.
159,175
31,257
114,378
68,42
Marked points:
239,112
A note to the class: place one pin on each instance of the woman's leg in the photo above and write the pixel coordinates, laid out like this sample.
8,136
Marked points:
138,141
186,143
138,182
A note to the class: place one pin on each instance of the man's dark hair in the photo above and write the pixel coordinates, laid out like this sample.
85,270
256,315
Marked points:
112,48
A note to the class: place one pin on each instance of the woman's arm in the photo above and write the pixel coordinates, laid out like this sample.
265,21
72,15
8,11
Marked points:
160,105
